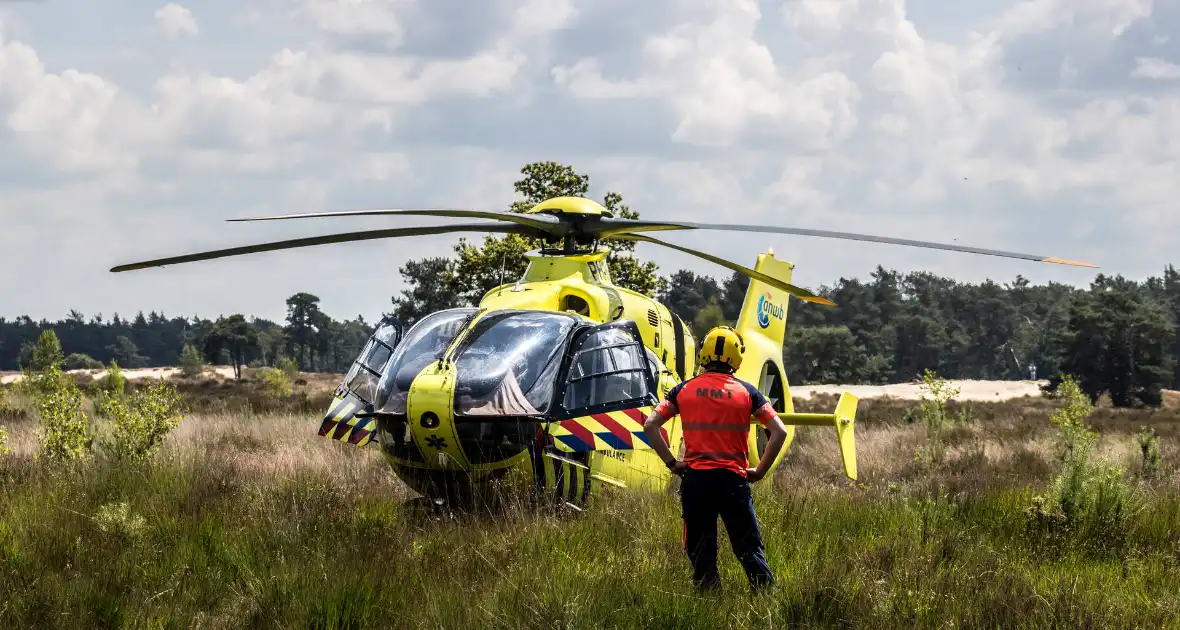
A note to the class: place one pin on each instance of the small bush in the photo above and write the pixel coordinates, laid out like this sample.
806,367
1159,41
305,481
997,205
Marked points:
191,365
144,419
115,382
1090,500
935,413
7,406
1149,451
43,355
108,389
66,431
78,361
288,366
274,381
4,448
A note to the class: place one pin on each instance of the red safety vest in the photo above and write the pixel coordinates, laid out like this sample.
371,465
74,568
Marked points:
715,410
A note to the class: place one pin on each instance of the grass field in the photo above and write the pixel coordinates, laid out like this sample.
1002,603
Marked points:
247,519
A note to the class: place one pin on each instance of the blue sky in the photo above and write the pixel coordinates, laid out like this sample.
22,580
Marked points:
131,130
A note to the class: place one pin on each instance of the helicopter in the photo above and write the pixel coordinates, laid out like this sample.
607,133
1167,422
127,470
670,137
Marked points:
545,384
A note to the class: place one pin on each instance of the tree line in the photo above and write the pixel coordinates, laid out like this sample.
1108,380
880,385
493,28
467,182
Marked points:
1116,336
310,338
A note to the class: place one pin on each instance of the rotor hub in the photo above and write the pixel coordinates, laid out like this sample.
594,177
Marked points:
571,207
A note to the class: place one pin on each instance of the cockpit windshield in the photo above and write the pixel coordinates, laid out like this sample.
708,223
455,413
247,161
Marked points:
508,364
425,342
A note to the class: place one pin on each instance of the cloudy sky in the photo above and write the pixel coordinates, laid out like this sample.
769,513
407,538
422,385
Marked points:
131,130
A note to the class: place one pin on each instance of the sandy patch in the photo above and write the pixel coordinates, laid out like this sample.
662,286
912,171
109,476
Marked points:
968,390
993,391
221,371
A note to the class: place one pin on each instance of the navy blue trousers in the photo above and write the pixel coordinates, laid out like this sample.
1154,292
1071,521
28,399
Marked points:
706,495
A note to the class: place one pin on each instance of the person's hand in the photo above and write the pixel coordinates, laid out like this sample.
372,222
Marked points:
678,468
753,475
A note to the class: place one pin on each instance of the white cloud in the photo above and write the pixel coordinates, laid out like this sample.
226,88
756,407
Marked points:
1155,68
823,16
175,20
849,115
724,86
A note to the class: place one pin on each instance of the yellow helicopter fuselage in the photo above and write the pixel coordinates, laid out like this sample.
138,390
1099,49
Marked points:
577,436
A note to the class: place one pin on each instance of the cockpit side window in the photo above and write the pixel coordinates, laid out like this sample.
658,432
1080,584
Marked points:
609,367
367,369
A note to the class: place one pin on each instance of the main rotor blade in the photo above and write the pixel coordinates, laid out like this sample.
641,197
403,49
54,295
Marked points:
616,227
798,292
552,226
346,237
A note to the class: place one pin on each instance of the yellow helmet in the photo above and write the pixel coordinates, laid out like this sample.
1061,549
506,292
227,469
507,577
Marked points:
723,345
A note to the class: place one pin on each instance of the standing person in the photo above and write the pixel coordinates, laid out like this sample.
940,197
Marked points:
715,410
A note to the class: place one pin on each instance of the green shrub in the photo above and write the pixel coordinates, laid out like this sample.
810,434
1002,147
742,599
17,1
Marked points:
1090,500
7,406
191,365
1149,450
144,419
78,361
44,354
288,366
115,382
934,411
274,381
66,431
4,448
108,389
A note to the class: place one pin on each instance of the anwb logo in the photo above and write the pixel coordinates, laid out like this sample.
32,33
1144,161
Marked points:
767,309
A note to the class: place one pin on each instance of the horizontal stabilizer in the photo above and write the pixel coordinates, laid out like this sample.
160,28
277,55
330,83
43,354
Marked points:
843,419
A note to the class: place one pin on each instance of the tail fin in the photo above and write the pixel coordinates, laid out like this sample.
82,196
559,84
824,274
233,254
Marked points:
763,319
763,325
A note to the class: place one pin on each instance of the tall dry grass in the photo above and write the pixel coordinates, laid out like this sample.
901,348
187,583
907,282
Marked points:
247,519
